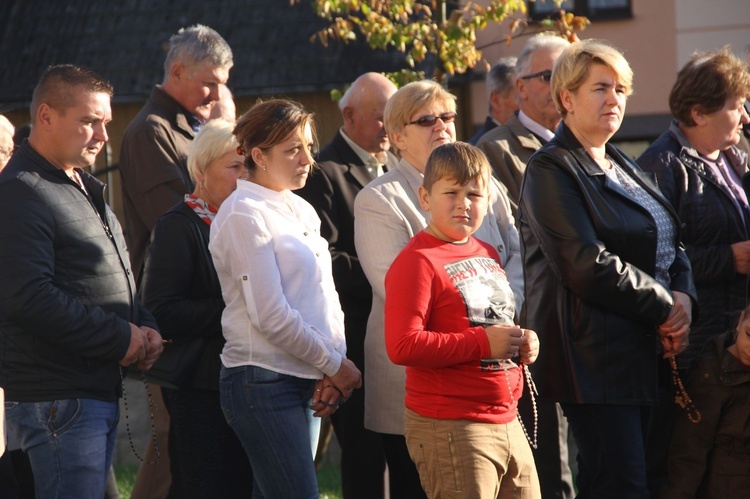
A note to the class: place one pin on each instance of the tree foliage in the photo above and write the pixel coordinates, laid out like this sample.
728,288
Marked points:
444,28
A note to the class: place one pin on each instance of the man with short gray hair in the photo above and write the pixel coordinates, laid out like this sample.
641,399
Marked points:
153,156
501,95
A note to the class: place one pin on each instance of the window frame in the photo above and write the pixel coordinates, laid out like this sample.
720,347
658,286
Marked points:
583,8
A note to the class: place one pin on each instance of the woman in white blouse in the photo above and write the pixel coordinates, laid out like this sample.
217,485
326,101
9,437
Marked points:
284,363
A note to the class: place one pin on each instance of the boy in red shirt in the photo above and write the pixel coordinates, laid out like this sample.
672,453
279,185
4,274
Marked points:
449,318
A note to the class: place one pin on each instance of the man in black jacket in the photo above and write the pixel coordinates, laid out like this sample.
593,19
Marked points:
356,155
69,318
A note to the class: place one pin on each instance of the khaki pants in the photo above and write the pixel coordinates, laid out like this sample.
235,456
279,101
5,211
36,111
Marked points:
470,460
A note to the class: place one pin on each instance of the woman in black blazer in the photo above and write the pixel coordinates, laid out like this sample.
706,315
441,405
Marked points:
608,287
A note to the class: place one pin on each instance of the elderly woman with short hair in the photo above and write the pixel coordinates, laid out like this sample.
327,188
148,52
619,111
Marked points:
181,288
607,280
419,117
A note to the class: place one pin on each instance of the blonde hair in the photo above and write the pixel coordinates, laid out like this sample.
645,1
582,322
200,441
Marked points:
459,161
213,141
411,98
574,64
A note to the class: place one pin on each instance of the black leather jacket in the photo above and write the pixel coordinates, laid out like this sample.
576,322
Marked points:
180,286
67,294
589,254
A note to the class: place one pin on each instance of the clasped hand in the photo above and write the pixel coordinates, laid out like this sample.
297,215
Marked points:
332,391
508,341
675,330
145,347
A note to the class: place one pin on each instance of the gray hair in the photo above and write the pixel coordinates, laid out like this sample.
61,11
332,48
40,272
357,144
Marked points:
501,79
196,44
539,42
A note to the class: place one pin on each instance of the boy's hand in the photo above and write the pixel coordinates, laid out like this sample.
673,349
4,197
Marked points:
530,347
505,341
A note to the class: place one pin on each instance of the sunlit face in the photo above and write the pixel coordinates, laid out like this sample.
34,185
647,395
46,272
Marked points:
456,211
219,179
741,348
198,87
364,123
534,93
415,142
77,133
287,164
724,127
597,107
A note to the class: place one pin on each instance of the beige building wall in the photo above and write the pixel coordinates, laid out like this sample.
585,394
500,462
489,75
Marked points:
657,41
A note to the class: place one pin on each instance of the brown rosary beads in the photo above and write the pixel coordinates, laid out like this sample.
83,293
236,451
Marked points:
681,397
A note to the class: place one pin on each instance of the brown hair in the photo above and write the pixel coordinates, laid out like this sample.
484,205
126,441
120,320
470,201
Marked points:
705,83
55,87
459,161
269,123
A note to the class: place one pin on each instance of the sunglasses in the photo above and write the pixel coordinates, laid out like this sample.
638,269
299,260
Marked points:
431,120
546,76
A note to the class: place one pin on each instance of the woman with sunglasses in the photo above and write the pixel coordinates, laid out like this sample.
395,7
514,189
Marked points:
418,118
607,280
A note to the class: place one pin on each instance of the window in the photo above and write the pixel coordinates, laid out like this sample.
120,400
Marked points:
593,9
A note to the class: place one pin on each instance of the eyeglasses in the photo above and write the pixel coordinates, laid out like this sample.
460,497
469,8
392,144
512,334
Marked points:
546,76
431,120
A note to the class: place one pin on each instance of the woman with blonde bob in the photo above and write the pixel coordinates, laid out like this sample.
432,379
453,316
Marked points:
180,287
607,281
284,362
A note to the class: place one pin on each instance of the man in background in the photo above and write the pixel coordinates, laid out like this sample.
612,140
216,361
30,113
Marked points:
509,147
357,154
153,156
501,94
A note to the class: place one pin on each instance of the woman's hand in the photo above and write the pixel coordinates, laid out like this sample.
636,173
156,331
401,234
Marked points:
530,347
326,398
505,341
347,378
675,330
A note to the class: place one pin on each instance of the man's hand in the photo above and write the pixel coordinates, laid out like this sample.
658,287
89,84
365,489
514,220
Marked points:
154,347
741,252
137,349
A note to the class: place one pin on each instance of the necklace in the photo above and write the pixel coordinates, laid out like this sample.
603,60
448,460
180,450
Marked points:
151,414
532,392
681,397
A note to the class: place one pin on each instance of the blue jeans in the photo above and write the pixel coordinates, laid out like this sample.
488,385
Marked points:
270,414
69,443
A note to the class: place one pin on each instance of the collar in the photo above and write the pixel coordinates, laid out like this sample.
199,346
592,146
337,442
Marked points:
363,155
535,127
183,119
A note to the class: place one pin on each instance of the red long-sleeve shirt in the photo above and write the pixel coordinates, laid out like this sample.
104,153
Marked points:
438,297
